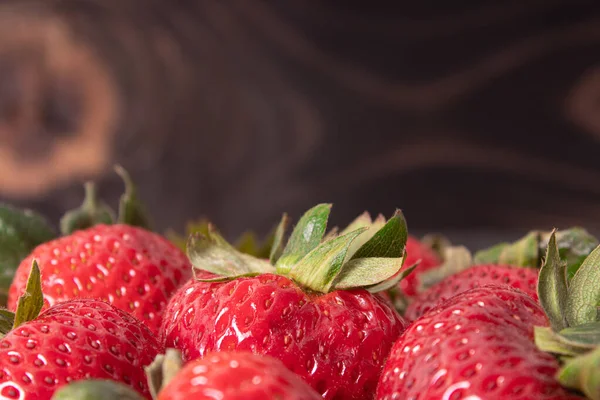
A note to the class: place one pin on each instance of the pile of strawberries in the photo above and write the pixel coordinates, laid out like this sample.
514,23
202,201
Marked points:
111,310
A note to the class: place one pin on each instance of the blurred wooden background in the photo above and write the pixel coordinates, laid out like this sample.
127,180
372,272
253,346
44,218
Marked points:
472,116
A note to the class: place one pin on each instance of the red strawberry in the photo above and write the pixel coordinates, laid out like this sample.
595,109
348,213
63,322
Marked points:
237,376
74,340
416,251
476,345
132,268
337,340
524,279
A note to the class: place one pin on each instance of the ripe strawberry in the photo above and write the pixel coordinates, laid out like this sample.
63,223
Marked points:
73,340
129,267
478,344
416,251
237,376
337,340
524,279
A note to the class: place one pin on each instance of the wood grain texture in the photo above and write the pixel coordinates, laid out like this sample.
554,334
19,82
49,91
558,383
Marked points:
468,115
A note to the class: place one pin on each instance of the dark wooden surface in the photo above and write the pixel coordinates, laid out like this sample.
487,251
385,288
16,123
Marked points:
472,116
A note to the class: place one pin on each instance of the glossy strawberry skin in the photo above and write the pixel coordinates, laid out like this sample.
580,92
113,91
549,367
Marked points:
480,344
524,279
74,340
131,268
337,342
415,251
237,376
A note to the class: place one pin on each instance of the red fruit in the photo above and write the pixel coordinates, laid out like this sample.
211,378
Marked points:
416,251
476,345
75,340
237,376
524,279
336,341
131,268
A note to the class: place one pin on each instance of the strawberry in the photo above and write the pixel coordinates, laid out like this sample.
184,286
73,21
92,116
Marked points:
312,309
73,340
236,376
130,267
478,344
494,341
480,275
426,258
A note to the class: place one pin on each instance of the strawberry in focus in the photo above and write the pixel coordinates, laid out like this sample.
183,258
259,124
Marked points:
478,344
131,268
77,339
312,309
525,279
236,376
123,263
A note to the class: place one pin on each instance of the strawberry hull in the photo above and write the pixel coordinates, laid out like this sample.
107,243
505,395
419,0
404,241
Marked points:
337,342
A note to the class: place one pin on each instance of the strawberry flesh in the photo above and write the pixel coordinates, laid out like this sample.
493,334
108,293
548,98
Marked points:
75,340
524,279
478,344
131,268
237,375
337,341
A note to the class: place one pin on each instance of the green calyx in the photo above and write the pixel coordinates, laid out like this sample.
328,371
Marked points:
248,243
571,300
20,232
29,304
455,259
94,211
573,244
367,254
96,389
162,370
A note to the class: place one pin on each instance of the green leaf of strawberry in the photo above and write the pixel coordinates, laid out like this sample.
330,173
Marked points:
388,241
574,245
213,254
377,259
524,252
319,268
334,262
7,321
307,235
20,232
364,220
96,389
30,227
93,211
29,305
162,370
584,297
131,210
31,302
582,373
456,259
552,286
572,307
278,239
